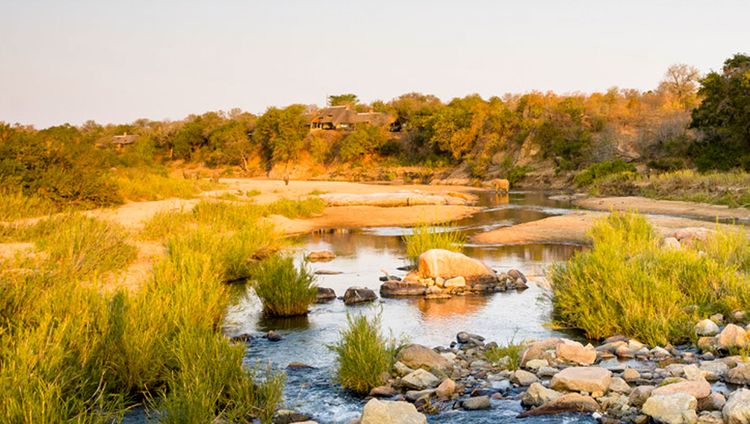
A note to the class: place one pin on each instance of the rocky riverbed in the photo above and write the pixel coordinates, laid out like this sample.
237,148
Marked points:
620,380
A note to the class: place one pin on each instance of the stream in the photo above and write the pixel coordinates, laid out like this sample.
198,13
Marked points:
361,255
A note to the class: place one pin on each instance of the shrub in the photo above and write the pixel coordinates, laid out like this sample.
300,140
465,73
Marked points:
628,284
284,289
597,171
425,237
364,356
15,205
511,351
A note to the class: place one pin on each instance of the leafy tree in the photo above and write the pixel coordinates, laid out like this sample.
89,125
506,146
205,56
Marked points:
347,99
681,82
363,140
281,133
723,117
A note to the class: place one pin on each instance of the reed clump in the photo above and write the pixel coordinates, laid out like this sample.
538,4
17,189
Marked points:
283,288
628,283
425,237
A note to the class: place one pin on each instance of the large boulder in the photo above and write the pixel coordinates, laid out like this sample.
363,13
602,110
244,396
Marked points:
538,395
706,328
576,353
732,336
325,295
678,408
570,402
698,389
476,403
354,295
321,256
401,288
582,379
418,356
446,264
420,380
737,408
739,375
391,412
538,349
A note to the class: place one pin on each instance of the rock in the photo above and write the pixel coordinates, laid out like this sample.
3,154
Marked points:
546,372
285,416
639,395
732,336
464,337
321,256
570,402
582,379
401,369
739,375
737,408
536,364
618,385
299,365
354,295
523,378
706,327
537,349
630,374
273,336
708,344
418,356
693,373
714,370
516,274
327,272
455,282
391,412
415,395
671,243
401,288
678,408
446,264
576,353
324,295
420,379
538,395
383,391
696,389
446,388
476,403
712,402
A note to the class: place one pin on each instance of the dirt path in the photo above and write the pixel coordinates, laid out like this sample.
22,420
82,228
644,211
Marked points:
663,207
573,227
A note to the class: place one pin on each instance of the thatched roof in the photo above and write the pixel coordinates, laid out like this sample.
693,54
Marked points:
337,115
123,139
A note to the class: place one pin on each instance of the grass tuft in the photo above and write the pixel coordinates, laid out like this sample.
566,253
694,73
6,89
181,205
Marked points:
364,356
510,350
284,289
425,237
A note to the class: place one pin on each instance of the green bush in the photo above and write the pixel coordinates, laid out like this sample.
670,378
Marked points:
628,284
364,356
284,289
597,171
425,237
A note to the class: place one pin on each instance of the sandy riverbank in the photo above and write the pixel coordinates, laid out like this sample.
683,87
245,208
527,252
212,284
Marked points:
663,207
573,228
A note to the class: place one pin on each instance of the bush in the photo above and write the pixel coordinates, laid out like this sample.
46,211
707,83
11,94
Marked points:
138,184
365,139
425,237
284,289
597,171
364,356
628,284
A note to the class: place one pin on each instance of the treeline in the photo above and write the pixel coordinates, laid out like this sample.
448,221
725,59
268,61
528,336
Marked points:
684,121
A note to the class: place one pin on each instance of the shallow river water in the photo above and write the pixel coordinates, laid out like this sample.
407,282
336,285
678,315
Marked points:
361,255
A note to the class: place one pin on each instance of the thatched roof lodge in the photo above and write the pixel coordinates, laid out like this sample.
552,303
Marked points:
343,117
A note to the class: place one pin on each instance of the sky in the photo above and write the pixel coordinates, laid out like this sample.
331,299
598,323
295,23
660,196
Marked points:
117,61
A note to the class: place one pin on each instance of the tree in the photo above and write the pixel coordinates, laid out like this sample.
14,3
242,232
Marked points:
347,99
723,117
363,140
681,82
281,133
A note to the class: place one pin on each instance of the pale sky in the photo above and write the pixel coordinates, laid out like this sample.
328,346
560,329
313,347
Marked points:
72,60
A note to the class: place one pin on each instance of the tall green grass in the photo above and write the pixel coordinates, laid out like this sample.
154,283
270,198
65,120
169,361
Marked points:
284,289
138,184
70,353
364,356
425,237
16,205
510,350
628,284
